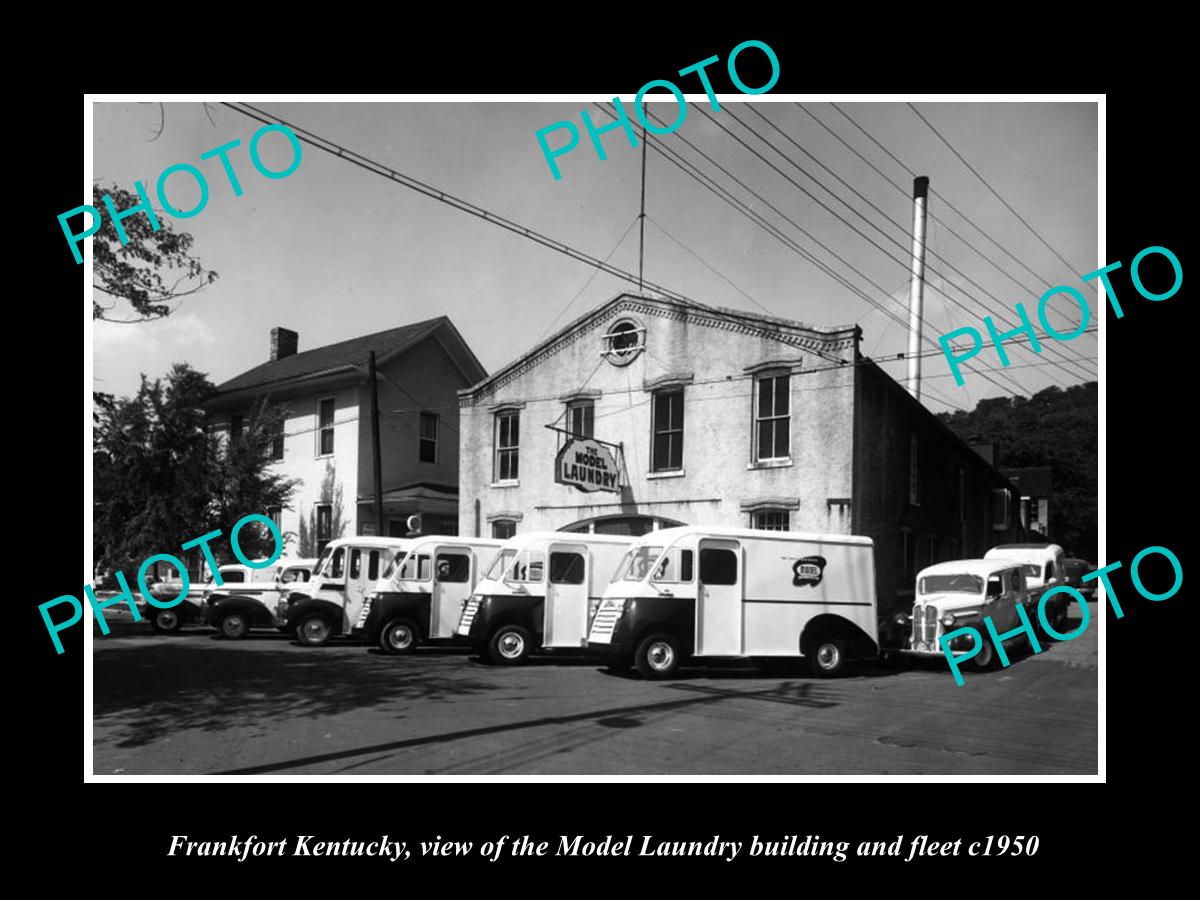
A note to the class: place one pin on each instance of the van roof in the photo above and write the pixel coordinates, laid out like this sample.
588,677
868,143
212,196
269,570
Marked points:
1031,552
981,567
372,540
415,544
530,538
671,535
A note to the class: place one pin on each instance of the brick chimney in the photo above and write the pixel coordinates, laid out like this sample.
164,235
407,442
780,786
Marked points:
284,342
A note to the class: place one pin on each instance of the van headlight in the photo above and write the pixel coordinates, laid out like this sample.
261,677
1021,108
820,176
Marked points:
948,619
901,618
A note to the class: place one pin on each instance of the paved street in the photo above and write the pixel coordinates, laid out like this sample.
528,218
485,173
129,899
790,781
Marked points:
193,704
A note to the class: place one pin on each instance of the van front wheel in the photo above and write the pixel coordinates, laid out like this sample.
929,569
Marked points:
510,645
828,657
398,636
313,630
658,656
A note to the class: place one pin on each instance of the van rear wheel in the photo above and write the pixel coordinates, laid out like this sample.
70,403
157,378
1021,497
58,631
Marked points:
398,636
827,657
658,656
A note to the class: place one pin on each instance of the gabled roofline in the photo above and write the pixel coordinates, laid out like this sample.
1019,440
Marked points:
798,334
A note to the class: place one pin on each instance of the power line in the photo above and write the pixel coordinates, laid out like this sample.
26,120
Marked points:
708,183
995,193
903,227
903,247
415,184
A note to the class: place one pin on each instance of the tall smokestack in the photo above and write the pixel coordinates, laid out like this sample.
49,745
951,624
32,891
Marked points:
916,296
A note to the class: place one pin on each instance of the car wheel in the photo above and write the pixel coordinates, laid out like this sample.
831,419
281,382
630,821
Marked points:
166,621
234,626
827,657
510,645
398,636
986,657
658,656
1058,619
314,630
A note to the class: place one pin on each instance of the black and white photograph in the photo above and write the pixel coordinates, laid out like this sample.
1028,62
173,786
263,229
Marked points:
730,433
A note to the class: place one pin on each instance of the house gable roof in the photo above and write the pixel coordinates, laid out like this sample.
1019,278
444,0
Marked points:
346,356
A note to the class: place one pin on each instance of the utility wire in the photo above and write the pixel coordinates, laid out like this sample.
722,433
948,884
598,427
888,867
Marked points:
995,193
709,183
1020,262
901,261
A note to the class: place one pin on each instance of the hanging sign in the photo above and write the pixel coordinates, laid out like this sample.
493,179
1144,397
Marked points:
587,465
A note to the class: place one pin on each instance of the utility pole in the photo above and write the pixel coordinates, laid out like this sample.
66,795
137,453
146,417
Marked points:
916,295
642,215
379,529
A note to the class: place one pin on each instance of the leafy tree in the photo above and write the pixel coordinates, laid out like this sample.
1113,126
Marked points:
160,479
1055,428
150,271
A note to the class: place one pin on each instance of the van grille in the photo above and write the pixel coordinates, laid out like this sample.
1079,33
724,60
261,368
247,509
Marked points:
605,622
925,626
470,610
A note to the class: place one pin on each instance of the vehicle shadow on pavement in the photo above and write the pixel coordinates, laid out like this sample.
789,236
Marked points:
152,690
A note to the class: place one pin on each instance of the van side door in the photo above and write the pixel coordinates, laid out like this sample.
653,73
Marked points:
566,611
719,620
451,586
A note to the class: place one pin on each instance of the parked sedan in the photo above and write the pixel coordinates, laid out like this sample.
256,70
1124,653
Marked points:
255,598
1076,569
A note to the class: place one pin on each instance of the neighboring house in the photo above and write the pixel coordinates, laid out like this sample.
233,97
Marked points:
326,440
666,413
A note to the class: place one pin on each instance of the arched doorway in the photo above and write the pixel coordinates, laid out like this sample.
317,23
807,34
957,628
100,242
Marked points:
634,526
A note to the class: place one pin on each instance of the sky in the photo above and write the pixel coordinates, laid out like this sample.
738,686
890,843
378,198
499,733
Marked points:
333,251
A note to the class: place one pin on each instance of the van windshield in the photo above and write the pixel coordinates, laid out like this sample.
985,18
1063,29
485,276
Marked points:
415,567
636,564
951,584
1032,571
499,564
319,568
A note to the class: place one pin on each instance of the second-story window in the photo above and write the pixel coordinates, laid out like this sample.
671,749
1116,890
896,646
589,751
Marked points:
325,427
429,438
581,417
773,418
508,439
667,452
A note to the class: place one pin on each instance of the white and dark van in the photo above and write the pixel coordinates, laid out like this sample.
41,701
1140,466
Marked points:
255,598
703,593
540,594
421,594
346,572
1045,567
958,594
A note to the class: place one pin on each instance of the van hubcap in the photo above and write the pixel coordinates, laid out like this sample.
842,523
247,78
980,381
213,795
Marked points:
315,629
828,656
660,655
511,645
233,625
167,620
400,636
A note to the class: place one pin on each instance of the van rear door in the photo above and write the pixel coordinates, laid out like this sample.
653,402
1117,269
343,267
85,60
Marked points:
565,623
451,586
719,599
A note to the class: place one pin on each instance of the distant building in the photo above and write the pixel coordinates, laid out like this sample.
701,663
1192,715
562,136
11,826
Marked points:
326,441
666,413
1033,486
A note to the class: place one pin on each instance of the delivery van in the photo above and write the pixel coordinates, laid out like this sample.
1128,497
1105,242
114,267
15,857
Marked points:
703,593
540,594
346,571
1045,567
254,598
421,594
958,594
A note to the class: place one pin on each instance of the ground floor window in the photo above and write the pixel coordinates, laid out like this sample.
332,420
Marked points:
771,519
504,529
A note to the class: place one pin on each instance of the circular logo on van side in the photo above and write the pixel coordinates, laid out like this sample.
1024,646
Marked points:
808,570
